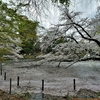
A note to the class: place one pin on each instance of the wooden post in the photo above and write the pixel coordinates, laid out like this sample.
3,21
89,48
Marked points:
5,76
74,84
42,85
1,70
18,81
10,85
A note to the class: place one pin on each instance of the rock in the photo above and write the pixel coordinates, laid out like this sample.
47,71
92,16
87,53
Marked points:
86,93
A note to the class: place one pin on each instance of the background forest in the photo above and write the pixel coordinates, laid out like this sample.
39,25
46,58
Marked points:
22,35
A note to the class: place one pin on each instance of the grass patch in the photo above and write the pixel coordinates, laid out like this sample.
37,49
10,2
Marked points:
24,96
29,56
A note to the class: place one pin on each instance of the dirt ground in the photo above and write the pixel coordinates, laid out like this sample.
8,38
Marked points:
6,96
57,81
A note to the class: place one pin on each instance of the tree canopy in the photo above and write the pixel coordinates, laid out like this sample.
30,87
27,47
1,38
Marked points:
71,28
15,30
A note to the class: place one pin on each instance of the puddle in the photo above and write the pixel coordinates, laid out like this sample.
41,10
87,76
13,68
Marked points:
38,96
42,96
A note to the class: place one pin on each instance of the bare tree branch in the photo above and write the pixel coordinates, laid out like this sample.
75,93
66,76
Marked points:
75,26
90,39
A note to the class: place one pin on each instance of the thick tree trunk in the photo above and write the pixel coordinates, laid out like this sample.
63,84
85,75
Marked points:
91,58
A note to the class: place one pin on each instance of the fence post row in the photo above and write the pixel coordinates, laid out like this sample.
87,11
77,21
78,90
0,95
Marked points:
74,82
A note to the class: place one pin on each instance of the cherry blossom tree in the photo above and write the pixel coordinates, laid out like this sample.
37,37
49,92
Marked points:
76,40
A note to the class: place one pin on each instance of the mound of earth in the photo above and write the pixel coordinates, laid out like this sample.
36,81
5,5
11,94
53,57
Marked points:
86,93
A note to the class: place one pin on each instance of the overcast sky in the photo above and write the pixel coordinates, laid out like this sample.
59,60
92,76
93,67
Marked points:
88,8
